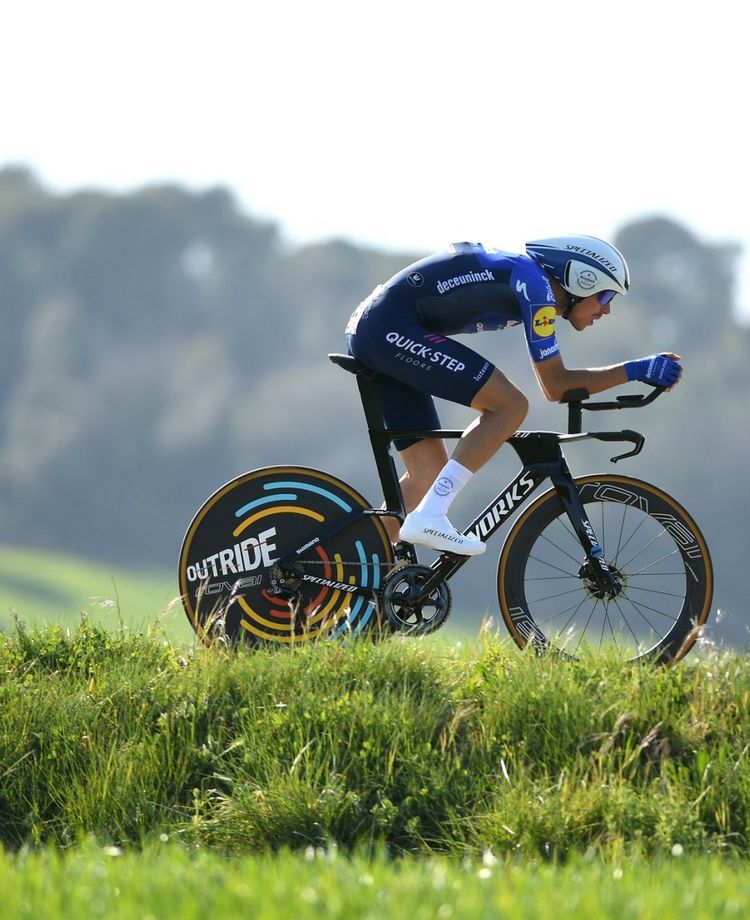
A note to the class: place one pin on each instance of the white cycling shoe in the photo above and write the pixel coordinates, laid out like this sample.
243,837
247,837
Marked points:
438,533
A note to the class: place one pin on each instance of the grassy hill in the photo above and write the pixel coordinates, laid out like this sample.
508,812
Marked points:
167,880
52,589
416,746
396,779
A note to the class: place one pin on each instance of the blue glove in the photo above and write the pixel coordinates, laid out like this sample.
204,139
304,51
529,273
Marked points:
658,370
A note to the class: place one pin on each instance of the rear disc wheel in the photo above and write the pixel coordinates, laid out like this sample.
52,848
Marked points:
241,531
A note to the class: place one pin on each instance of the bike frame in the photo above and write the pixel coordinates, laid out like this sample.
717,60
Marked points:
540,453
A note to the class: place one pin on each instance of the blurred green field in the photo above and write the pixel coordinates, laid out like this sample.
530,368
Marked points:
52,589
166,880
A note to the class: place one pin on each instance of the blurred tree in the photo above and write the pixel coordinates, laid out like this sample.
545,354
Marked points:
156,344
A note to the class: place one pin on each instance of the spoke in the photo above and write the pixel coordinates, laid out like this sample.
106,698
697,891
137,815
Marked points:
561,613
621,548
656,591
622,530
655,574
575,608
564,522
643,549
639,604
564,577
583,631
551,597
560,549
557,568
652,564
626,621
654,631
607,622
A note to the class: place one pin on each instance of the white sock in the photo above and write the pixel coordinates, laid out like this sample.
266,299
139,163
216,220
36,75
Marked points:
451,479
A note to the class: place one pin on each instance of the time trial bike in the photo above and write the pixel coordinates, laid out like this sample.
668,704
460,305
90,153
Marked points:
290,554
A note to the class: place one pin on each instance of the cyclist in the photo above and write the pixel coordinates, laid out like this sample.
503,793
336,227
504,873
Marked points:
402,330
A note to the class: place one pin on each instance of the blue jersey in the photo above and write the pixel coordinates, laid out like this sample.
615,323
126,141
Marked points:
470,288
402,330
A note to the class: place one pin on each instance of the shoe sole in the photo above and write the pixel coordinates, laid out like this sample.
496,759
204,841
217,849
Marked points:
447,546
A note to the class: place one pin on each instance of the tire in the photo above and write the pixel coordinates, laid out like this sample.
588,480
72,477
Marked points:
653,544
253,521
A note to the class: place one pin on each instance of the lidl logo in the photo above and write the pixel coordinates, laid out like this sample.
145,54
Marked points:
543,323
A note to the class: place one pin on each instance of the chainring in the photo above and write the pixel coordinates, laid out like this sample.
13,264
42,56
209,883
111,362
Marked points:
402,606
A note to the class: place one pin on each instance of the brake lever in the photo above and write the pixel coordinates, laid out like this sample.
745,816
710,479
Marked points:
638,442
635,438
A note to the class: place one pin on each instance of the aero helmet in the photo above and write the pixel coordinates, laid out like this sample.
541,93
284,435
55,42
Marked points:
583,265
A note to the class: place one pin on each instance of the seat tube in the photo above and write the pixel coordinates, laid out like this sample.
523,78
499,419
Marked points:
380,442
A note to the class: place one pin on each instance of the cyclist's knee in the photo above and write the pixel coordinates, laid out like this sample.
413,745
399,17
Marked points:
516,405
523,407
501,396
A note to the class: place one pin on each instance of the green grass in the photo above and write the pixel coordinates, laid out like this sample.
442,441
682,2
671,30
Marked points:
139,778
418,748
166,880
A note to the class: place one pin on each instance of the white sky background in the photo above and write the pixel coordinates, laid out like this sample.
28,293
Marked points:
400,124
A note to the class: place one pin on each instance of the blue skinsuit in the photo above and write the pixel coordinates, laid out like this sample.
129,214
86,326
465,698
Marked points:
402,328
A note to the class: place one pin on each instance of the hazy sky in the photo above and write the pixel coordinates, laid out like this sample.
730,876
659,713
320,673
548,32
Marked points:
402,124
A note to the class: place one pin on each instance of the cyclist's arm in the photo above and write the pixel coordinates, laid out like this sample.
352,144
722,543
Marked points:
555,379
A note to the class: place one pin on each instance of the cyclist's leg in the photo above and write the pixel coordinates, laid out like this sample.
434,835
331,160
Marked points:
502,407
405,407
423,461
393,342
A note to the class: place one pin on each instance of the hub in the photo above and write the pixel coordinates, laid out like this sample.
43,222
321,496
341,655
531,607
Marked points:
600,584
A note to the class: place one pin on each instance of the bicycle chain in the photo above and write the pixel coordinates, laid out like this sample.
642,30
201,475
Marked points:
358,562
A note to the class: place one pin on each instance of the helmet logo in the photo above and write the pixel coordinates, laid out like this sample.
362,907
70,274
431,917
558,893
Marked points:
415,279
587,279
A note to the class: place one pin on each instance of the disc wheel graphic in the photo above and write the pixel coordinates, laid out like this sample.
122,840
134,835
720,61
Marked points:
246,526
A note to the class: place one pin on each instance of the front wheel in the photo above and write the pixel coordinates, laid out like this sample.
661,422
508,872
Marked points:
659,557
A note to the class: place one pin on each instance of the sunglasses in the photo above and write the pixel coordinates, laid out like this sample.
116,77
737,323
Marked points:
606,297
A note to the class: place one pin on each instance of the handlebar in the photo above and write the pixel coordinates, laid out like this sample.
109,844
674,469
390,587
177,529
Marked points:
576,402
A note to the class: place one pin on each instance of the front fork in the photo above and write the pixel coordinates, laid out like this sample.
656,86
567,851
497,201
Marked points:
603,581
